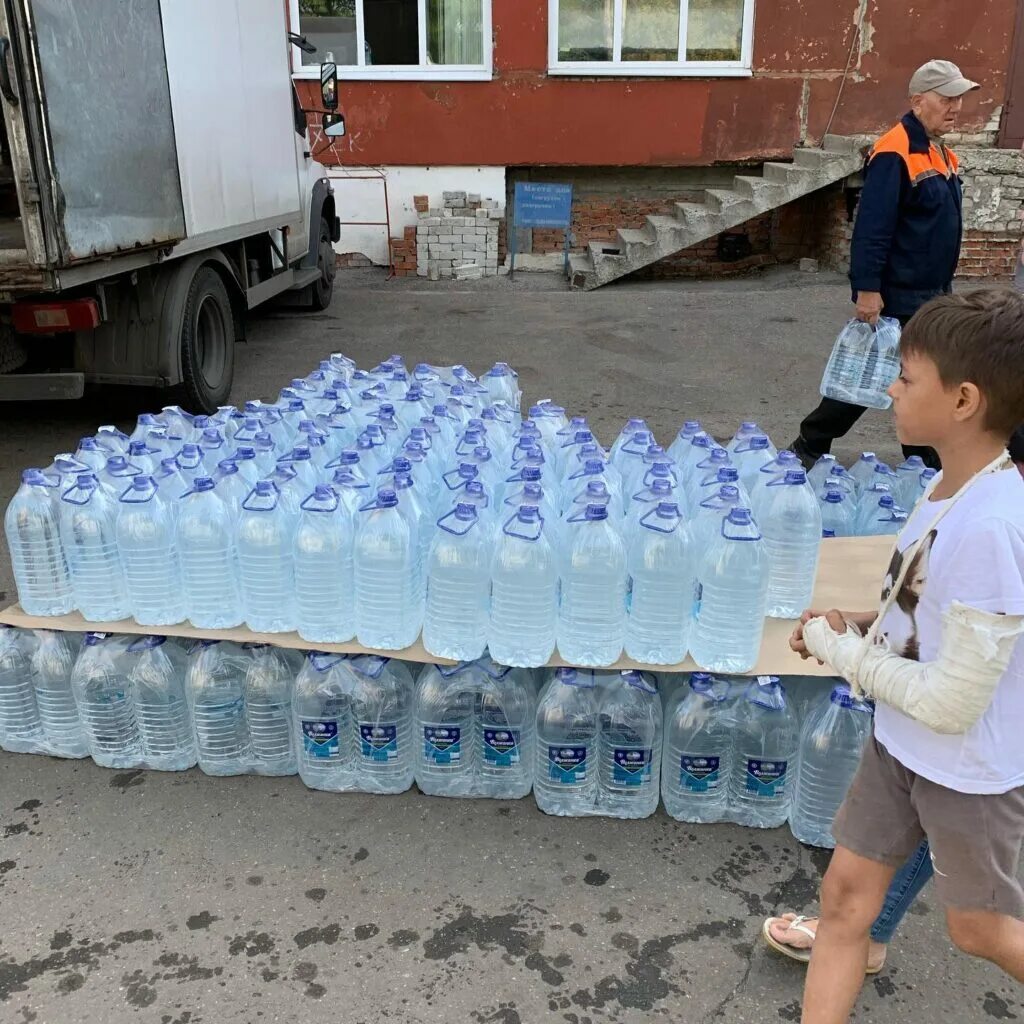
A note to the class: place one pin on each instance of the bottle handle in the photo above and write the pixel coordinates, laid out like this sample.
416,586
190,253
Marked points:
468,525
510,532
660,529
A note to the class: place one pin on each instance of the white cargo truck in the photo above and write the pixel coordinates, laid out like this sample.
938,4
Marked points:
156,183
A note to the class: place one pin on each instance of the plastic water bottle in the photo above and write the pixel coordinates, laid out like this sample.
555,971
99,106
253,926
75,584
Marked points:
750,455
215,686
324,578
765,764
265,561
389,595
693,454
774,470
592,613
506,719
633,424
707,521
839,476
447,761
21,728
631,461
837,513
116,476
791,527
52,660
864,363
880,516
630,717
644,502
209,559
906,485
92,454
458,586
269,678
916,492
681,442
382,713
149,555
746,431
103,696
502,384
192,462
524,591
594,470
698,753
818,473
156,673
731,596
568,730
863,470
660,589
831,743
88,533
322,717
37,555
231,486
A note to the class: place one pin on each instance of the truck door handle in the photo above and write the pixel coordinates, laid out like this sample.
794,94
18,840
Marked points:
6,86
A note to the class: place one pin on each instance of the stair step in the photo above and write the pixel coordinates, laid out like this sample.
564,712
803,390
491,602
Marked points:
718,200
692,214
661,226
581,271
626,237
605,251
841,144
754,187
783,174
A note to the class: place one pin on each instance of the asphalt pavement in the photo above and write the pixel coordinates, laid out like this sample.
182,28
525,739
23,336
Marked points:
180,899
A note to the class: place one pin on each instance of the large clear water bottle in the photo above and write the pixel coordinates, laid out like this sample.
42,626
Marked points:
231,486
774,470
592,612
630,717
447,751
21,727
838,513
681,442
149,555
863,470
52,661
831,743
750,455
322,716
103,694
879,515
156,671
905,487
864,362
524,591
389,595
458,586
506,712
92,454
660,589
633,424
791,526
818,473
269,679
324,578
707,520
265,561
382,716
765,767
88,533
731,596
646,501
698,752
568,730
215,686
916,493
209,558
116,476
37,555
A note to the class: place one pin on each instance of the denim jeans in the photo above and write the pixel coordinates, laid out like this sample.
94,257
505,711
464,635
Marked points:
903,890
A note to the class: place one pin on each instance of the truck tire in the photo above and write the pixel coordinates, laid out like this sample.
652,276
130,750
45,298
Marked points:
323,289
13,353
207,343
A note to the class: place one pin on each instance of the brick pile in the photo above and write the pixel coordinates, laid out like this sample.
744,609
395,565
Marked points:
458,240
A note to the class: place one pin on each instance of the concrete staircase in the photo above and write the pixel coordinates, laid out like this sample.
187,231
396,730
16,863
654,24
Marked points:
722,209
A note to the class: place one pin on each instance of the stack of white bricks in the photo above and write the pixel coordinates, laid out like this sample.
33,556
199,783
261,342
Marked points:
460,240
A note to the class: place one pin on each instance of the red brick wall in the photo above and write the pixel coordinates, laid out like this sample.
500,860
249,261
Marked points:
988,254
403,253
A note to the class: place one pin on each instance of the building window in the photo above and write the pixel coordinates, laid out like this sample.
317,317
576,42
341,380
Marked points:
650,37
412,39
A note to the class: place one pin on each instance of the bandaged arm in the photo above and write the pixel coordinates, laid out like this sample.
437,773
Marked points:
948,694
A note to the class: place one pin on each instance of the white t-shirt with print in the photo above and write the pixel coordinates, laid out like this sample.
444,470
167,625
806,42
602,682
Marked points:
976,556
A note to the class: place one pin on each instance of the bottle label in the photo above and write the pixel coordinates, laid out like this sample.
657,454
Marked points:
631,766
378,742
699,774
766,778
567,765
320,738
501,747
442,744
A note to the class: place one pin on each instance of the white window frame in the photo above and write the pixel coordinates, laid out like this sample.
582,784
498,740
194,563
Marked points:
400,72
742,68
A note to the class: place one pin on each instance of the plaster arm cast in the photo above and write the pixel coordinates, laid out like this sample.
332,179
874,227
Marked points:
949,694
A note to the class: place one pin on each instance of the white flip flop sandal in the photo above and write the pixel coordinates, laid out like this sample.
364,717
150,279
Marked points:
801,956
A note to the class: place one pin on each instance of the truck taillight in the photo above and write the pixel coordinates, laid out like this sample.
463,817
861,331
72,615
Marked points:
55,317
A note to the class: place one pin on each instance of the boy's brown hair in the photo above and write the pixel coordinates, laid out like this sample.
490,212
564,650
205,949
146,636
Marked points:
977,336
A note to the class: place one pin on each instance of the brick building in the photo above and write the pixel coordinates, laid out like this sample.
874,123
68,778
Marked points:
650,109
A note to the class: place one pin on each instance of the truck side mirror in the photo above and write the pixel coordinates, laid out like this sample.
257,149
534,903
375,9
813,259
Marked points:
334,125
329,85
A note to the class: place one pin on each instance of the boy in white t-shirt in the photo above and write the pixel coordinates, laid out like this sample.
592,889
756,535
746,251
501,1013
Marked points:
961,391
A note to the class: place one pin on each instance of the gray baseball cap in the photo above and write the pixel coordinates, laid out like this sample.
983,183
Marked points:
941,76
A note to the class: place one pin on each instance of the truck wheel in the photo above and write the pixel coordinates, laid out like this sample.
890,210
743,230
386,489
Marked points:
12,351
323,288
207,343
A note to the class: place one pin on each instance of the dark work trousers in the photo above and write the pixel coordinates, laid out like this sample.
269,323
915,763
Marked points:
834,419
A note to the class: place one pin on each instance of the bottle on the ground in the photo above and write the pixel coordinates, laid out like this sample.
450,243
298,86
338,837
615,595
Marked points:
630,717
879,515
506,715
103,696
382,713
749,455
269,679
765,763
40,568
322,717
52,662
447,754
838,517
791,527
265,561
731,596
863,470
818,473
215,686
566,773
21,728
698,755
831,743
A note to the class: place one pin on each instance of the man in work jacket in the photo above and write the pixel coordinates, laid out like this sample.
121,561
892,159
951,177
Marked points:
906,239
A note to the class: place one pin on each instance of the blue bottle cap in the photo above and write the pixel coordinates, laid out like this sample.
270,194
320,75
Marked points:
202,483
795,476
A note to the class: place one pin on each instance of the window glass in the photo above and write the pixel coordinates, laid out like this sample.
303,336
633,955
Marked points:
585,29
714,30
650,30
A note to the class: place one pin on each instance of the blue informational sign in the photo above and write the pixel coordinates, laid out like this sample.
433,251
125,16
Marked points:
539,205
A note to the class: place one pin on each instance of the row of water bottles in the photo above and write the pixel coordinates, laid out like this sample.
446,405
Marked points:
588,743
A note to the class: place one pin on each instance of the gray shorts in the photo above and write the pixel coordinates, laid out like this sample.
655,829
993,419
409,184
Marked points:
975,838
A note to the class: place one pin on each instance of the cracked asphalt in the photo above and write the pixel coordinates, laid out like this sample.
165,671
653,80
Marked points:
181,899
